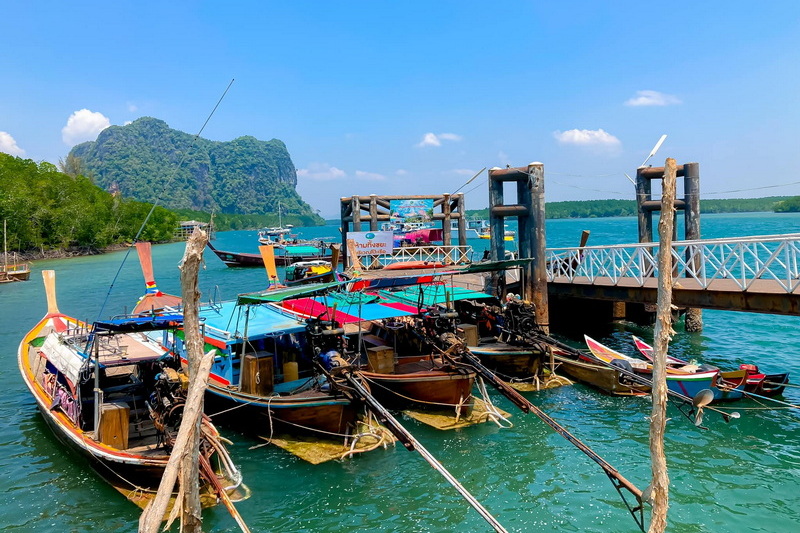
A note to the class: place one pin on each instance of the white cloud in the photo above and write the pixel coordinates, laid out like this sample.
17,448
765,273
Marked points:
432,139
321,172
401,172
133,108
9,145
647,98
83,125
595,138
371,176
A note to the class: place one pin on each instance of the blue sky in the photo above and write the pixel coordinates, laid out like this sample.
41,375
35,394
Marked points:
415,97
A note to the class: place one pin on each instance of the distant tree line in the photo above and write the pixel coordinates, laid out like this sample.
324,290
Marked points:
790,205
49,210
622,208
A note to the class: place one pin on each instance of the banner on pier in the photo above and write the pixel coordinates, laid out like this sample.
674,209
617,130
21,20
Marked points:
372,242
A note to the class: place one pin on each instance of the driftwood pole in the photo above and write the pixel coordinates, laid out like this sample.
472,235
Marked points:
184,457
659,487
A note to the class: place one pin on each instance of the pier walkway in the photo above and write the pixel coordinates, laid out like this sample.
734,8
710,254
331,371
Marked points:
757,274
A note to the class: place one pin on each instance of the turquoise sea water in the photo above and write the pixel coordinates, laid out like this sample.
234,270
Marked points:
741,476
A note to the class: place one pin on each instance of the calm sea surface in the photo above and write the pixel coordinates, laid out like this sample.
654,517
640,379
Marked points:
741,476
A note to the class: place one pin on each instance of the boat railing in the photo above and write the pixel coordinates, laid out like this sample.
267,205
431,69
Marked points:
446,255
742,260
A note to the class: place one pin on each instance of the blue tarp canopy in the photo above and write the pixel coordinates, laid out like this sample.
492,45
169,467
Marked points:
227,322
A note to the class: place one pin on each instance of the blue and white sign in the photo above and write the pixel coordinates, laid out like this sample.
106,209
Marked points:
372,242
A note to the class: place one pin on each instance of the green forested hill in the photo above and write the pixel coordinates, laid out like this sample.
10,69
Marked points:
49,210
243,176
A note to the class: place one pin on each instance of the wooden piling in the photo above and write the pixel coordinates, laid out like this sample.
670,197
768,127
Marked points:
537,269
693,320
446,224
659,486
643,195
184,460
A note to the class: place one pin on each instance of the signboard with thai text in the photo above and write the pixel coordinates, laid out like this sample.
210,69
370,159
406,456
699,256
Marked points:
372,242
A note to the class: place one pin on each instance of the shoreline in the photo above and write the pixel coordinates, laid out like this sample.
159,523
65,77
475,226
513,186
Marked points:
63,253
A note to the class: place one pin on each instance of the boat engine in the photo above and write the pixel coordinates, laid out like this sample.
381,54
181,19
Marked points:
166,403
325,335
520,318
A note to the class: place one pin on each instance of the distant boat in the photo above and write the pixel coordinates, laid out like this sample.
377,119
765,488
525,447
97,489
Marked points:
508,234
472,228
304,272
10,272
288,255
277,231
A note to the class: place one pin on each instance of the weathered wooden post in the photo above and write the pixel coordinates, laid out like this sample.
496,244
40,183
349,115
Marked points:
530,213
644,194
356,213
690,204
537,270
659,487
373,212
446,225
183,461
462,220
497,247
693,320
346,216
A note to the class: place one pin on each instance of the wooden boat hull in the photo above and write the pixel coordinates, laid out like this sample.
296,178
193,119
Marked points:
599,376
772,385
691,384
243,259
238,259
437,388
509,360
14,273
308,412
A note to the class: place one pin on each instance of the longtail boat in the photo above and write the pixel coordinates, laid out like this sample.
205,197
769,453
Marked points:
262,370
116,396
687,380
756,382
288,255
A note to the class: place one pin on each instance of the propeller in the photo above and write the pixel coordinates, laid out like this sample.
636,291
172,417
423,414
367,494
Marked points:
700,400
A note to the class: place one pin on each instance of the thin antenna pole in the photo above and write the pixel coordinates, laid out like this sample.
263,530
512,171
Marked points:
469,180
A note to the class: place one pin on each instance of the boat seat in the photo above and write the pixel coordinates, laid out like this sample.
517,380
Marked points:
374,340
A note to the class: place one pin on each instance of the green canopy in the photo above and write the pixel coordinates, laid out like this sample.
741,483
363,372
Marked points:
432,294
279,295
